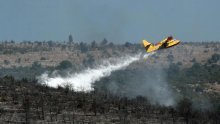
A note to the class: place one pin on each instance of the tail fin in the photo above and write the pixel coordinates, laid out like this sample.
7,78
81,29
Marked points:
146,44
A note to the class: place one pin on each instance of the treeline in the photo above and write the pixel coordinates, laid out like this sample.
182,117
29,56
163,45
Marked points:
11,47
24,101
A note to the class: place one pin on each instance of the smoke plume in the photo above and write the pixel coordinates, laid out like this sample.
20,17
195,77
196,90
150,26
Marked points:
129,82
84,80
142,81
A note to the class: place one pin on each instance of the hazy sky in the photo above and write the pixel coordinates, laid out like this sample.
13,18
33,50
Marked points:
116,20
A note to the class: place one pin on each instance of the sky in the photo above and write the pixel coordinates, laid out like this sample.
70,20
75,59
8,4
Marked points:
118,21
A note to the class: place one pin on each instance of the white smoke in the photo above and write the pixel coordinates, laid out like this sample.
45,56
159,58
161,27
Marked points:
155,89
84,80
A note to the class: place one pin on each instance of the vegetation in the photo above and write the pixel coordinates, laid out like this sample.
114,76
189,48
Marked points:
24,101
198,73
64,65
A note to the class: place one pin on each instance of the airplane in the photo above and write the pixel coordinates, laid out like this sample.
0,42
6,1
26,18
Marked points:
166,43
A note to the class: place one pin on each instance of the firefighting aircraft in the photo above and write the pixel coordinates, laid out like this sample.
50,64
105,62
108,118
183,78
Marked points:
166,43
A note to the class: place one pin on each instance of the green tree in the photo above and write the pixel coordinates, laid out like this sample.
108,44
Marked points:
36,65
83,47
104,42
111,44
94,44
64,65
127,44
50,43
70,38
215,58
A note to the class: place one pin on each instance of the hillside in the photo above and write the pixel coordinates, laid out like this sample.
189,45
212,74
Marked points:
176,85
50,54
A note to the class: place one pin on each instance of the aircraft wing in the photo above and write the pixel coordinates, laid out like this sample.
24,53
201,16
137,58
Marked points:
172,42
166,40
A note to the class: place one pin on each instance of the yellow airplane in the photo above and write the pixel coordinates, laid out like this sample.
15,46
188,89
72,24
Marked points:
166,43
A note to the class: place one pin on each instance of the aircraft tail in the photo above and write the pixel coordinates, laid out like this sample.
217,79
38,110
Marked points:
146,43
148,46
